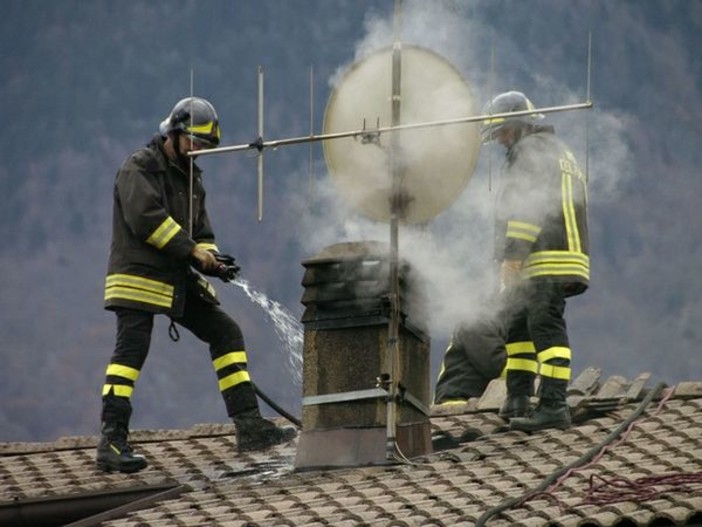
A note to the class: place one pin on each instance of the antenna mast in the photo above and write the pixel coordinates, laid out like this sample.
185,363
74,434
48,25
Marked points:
191,175
397,207
260,142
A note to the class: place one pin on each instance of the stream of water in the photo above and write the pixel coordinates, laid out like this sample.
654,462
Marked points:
286,327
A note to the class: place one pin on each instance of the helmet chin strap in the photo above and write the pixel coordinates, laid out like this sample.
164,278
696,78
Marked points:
521,130
187,163
182,159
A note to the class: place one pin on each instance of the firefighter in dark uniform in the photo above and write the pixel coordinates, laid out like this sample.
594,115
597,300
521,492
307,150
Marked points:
542,250
475,355
160,231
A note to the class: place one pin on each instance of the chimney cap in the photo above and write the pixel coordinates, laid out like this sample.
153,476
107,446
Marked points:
350,251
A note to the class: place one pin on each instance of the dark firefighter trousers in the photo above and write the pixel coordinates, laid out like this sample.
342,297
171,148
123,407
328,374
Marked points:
475,356
537,340
207,322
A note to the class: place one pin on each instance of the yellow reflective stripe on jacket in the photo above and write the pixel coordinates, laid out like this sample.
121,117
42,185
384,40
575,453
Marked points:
571,224
523,231
233,357
134,295
120,390
163,233
138,289
207,286
233,380
544,263
555,352
515,348
119,370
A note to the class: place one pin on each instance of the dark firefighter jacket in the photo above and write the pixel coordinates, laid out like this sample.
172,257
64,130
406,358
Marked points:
149,264
541,215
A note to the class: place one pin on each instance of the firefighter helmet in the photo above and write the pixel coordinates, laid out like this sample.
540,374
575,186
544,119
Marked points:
511,101
196,118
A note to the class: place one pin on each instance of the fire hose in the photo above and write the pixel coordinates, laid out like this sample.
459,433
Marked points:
270,402
228,272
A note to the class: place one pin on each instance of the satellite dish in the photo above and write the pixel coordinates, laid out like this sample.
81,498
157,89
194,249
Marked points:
437,161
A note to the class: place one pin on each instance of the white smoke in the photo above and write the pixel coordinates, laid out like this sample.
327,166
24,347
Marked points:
453,251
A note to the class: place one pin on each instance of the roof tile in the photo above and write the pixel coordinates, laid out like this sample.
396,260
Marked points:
447,488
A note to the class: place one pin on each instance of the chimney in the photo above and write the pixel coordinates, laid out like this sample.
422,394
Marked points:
346,327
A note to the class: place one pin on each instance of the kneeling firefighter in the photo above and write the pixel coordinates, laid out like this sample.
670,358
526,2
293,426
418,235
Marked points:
475,356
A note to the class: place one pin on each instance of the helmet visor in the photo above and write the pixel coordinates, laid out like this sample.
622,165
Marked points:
205,135
490,128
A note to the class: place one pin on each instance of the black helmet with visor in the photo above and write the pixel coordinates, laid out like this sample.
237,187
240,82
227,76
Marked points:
511,101
197,119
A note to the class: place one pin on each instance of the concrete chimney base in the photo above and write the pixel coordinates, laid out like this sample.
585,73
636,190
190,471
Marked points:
352,447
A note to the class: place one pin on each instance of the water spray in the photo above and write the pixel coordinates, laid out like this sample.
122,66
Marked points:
289,332
286,327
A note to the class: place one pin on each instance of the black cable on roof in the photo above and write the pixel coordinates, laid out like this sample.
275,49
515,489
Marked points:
587,456
270,402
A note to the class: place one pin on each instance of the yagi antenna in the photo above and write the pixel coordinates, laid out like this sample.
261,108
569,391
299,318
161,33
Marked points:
368,133
371,135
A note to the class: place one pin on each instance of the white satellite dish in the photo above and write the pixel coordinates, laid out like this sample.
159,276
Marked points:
437,161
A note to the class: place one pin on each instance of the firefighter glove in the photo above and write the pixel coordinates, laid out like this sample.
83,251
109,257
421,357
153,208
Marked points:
228,269
509,273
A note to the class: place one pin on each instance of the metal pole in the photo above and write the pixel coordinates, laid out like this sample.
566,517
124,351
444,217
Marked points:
260,139
587,118
191,171
311,177
491,92
365,132
396,211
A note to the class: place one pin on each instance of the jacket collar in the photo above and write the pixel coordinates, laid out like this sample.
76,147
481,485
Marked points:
535,129
157,145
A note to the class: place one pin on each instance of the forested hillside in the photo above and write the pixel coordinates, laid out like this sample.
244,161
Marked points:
85,83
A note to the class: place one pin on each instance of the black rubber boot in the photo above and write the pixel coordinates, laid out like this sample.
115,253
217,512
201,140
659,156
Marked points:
114,452
253,432
548,414
515,406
